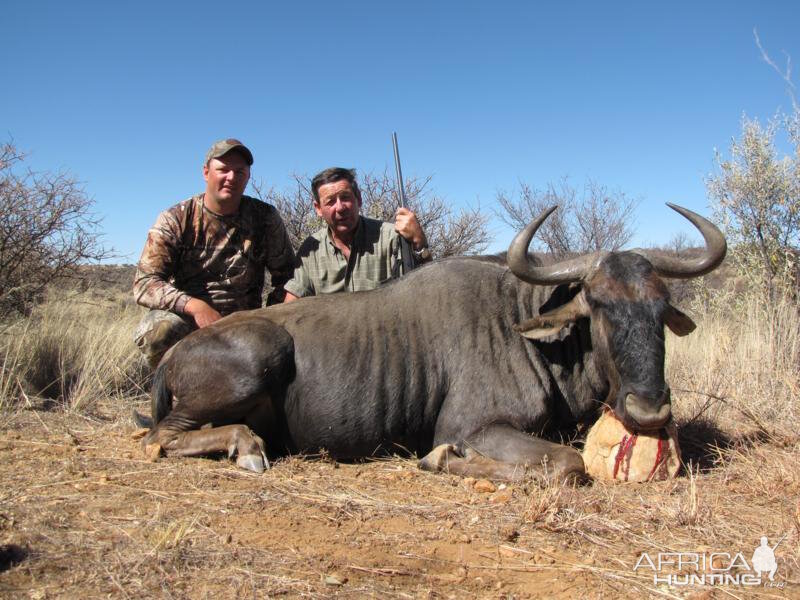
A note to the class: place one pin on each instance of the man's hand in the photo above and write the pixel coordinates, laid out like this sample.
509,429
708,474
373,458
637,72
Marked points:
406,224
201,312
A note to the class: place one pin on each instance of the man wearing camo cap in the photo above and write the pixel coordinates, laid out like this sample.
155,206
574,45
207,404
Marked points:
205,257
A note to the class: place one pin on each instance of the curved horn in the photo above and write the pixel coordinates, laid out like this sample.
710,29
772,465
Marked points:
523,267
686,268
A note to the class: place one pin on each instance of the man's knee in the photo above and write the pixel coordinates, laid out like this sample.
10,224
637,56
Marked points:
158,331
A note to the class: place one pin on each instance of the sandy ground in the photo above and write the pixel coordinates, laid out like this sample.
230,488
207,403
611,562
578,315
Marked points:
84,514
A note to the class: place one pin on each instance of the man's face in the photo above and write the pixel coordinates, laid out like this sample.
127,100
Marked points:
338,207
226,178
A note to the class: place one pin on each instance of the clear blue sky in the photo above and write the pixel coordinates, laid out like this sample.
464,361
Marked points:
636,95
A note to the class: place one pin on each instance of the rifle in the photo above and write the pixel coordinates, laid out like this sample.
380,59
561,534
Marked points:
405,245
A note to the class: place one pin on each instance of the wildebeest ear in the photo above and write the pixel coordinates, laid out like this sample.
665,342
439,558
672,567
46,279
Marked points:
678,322
551,322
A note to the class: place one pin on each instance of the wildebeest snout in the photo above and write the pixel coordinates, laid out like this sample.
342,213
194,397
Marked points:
648,413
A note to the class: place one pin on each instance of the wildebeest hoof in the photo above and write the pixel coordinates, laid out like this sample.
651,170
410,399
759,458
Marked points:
438,459
153,451
571,471
253,462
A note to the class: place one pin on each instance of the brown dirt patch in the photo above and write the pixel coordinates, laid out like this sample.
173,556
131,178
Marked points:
84,514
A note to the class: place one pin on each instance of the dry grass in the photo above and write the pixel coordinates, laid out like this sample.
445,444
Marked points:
73,350
740,365
82,513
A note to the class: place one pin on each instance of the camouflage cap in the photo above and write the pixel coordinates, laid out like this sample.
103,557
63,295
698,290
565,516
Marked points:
222,147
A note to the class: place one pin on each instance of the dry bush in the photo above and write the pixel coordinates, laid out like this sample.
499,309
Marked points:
47,231
594,218
755,194
72,350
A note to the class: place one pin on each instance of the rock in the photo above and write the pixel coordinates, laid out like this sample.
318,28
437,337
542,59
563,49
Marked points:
152,452
501,496
335,579
484,486
612,452
140,433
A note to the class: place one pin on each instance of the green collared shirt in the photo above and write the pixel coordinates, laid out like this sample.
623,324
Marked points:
321,268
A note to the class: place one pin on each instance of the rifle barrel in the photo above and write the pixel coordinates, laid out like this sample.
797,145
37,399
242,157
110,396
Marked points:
401,191
405,246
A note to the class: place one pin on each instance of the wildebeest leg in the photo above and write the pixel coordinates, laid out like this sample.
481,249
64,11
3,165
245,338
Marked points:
227,375
236,440
446,458
500,451
506,444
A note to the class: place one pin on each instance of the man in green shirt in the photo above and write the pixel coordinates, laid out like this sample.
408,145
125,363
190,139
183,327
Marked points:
351,253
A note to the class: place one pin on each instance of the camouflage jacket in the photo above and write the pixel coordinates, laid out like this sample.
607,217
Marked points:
192,252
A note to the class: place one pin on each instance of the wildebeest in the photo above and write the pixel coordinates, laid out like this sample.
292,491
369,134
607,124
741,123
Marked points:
466,359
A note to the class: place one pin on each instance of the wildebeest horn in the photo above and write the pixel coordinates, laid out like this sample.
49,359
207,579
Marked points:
562,272
685,268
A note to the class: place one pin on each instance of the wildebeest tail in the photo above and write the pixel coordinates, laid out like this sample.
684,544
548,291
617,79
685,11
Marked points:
141,420
160,401
160,395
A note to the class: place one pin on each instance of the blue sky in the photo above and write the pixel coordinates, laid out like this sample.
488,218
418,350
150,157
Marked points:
635,95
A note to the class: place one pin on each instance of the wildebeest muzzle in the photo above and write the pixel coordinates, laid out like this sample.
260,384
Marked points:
641,413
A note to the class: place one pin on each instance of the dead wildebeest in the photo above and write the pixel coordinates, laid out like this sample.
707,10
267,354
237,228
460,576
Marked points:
463,359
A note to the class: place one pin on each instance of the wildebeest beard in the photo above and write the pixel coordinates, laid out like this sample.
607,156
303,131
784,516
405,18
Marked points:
637,346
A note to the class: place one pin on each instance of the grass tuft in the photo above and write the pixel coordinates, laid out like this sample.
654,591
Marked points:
71,352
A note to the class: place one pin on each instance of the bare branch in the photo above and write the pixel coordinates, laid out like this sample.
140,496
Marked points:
47,231
294,207
785,75
586,221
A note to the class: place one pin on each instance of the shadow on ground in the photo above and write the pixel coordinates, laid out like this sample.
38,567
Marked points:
703,444
10,555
